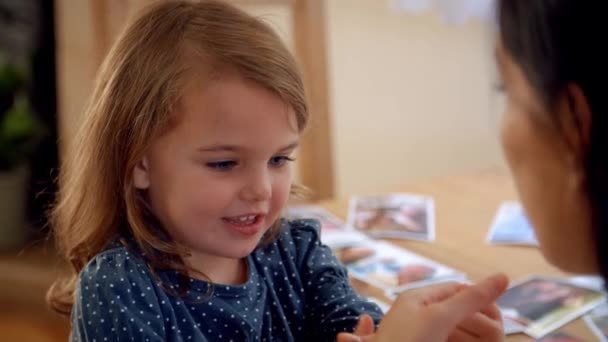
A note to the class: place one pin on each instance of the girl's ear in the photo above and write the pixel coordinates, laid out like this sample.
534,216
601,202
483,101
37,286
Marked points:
141,176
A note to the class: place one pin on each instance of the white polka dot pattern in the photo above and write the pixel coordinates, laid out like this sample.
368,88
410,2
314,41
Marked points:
296,291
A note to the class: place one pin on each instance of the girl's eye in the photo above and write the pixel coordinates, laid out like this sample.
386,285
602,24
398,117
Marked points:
223,165
279,161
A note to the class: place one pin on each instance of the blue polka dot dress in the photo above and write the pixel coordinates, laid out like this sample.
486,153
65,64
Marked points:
296,291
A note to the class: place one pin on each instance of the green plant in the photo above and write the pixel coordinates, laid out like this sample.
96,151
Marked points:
20,128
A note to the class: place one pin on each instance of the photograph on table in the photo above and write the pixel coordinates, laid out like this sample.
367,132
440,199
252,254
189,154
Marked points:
557,337
333,230
404,216
328,220
395,269
597,320
543,304
384,306
511,226
595,282
511,326
348,254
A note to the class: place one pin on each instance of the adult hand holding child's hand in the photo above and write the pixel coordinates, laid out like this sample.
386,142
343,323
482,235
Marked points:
443,312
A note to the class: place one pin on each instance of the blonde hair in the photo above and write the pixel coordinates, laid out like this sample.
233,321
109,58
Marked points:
136,92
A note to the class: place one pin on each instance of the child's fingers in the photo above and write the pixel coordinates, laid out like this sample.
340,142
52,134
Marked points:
363,331
483,327
348,337
365,326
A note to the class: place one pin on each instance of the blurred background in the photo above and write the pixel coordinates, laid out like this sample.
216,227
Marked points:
400,90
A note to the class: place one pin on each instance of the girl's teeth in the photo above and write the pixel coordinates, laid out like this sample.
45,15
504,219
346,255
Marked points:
247,219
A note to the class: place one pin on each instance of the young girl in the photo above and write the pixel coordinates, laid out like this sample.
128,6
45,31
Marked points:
170,201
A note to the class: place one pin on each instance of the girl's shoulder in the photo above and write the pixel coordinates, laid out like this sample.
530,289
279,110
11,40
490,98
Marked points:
116,290
300,231
296,238
117,264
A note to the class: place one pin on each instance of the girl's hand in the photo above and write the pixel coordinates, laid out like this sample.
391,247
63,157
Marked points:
365,327
443,312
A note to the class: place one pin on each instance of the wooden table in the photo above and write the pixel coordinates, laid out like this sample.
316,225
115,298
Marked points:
465,207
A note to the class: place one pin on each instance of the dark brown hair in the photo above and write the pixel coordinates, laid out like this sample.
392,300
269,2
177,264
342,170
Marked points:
558,43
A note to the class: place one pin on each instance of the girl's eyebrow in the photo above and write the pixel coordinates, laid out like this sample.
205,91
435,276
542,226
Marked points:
236,148
219,148
290,147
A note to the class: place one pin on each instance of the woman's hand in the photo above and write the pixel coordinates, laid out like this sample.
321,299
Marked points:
443,312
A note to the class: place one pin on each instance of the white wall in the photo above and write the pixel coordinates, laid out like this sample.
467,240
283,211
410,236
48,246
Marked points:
411,97
277,16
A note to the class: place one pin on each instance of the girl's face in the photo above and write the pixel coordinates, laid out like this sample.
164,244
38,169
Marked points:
220,178
546,171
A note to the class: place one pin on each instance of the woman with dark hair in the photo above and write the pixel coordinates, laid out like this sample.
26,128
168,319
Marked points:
555,130
554,135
